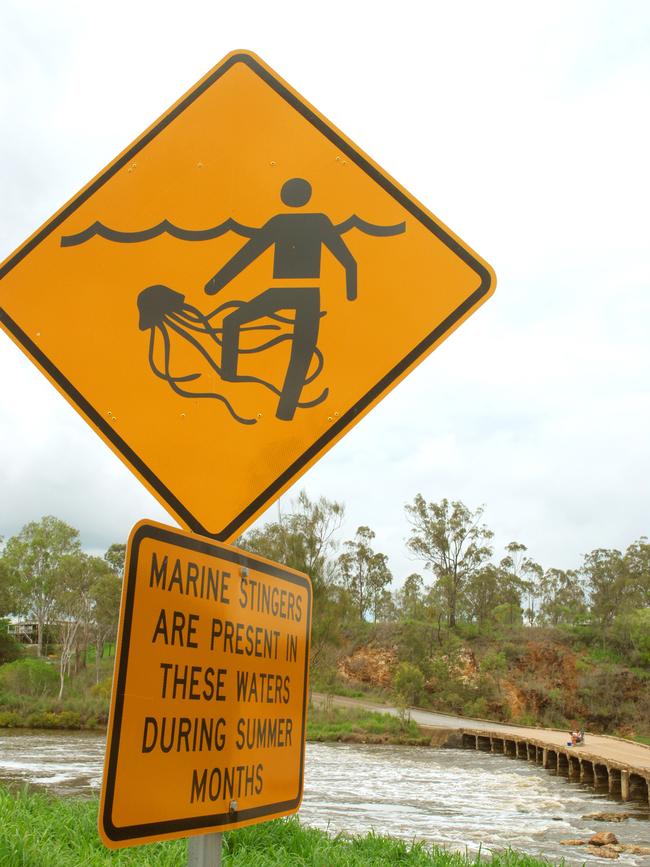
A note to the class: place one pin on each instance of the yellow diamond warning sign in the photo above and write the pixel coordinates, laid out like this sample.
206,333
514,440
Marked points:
234,292
207,723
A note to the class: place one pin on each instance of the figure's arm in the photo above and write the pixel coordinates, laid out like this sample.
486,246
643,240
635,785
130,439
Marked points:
335,245
242,258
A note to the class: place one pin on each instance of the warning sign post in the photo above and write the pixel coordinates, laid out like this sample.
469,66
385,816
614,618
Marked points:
210,691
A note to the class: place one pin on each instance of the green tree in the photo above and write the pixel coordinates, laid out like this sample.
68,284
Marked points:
71,609
115,557
637,567
105,592
409,682
409,599
640,634
507,614
7,601
532,574
33,559
512,583
365,573
608,584
562,597
482,594
304,539
495,665
452,542
10,649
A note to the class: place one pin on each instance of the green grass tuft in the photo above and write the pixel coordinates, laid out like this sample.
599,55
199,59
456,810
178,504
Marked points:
39,830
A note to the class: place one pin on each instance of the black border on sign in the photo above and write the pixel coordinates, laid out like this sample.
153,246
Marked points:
348,417
215,820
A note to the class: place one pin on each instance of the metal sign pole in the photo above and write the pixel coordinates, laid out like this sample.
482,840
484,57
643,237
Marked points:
204,851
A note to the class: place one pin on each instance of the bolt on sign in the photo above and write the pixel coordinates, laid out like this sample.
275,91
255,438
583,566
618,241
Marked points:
210,690
233,292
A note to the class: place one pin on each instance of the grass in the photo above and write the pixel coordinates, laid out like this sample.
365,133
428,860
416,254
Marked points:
42,831
358,725
642,739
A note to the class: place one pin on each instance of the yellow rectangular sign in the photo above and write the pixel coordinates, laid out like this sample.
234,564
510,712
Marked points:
207,722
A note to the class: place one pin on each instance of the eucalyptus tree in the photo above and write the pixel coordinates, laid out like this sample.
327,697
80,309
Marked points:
105,591
304,538
33,560
409,599
115,557
7,602
482,594
563,597
452,542
637,567
608,585
364,573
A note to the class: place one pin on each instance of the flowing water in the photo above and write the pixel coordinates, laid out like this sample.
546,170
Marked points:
460,799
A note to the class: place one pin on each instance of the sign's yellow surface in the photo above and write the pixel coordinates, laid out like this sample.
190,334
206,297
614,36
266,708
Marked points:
207,722
237,289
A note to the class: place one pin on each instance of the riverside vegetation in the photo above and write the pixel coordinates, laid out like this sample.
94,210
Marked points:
473,634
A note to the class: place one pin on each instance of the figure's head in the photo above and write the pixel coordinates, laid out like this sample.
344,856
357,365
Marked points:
296,192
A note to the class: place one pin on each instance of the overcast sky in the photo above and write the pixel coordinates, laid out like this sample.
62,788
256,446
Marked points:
524,127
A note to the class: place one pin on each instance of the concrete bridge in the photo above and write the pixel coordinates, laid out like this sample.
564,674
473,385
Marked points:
590,763
614,766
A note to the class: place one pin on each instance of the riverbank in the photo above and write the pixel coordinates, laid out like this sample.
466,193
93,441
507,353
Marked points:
324,723
37,829
360,726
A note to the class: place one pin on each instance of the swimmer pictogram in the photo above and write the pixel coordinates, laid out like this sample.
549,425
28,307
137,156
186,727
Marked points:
297,239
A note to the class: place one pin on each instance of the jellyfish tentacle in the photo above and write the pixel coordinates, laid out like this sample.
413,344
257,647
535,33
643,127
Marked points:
213,363
154,367
307,404
274,341
208,394
319,366
223,307
195,343
216,396
258,381
277,317
210,329
189,312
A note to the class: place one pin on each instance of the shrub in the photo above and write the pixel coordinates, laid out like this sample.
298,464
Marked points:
494,661
10,649
67,719
103,688
409,682
477,708
29,677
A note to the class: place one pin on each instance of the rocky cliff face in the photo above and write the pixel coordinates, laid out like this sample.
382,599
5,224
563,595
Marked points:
371,665
541,681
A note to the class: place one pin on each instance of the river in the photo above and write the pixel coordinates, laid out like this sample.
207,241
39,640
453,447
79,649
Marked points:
461,799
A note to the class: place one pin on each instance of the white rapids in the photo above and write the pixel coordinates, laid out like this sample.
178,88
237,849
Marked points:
459,799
